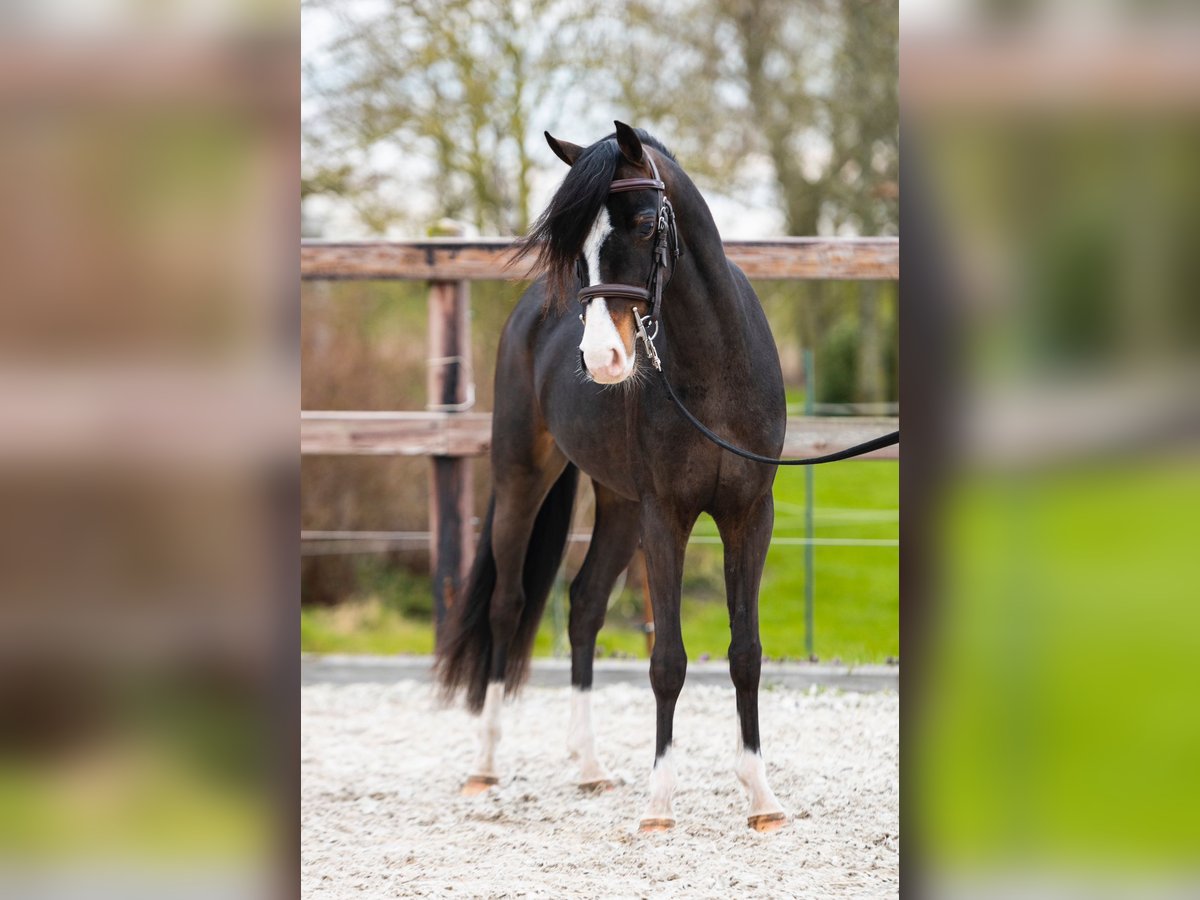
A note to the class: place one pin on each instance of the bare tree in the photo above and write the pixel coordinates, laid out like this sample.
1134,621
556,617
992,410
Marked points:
430,99
809,86
449,89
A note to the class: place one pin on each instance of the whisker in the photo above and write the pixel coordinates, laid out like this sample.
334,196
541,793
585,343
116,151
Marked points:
580,372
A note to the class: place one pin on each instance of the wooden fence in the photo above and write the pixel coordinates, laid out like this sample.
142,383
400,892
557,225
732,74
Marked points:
449,433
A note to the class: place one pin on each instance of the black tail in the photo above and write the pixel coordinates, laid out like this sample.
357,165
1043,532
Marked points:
464,653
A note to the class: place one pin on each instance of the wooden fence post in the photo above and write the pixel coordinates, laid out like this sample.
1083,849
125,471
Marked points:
450,388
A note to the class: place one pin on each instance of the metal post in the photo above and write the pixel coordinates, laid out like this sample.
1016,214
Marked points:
809,567
450,387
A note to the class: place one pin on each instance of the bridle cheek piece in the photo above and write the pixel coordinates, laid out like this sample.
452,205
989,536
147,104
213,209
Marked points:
666,251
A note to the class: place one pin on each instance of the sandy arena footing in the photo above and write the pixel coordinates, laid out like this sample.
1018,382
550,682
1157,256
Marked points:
382,814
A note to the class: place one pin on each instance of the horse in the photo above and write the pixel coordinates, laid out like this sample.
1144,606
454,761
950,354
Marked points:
573,395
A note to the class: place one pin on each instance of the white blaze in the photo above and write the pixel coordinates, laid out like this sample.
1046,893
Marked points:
603,350
601,229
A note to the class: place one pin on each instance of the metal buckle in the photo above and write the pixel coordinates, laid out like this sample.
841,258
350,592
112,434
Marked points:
647,339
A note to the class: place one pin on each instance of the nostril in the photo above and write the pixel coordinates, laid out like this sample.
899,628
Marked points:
615,360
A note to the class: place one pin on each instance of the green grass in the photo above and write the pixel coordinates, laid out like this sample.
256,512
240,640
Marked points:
1063,732
856,588
363,625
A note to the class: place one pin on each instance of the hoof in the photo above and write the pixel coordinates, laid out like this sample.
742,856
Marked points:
597,787
768,821
651,825
477,784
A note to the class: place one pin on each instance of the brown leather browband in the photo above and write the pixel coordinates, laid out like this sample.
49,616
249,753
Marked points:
637,184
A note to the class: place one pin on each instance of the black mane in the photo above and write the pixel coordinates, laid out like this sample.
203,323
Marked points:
556,237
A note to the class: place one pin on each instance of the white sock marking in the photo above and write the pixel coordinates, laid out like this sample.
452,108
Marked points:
662,789
752,773
581,740
489,731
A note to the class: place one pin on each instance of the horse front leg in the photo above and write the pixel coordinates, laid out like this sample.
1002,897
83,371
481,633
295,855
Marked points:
664,540
746,540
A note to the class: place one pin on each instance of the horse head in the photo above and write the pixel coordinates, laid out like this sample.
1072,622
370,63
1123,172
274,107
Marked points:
609,224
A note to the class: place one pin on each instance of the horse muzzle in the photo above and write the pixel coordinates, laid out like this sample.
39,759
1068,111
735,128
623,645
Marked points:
608,354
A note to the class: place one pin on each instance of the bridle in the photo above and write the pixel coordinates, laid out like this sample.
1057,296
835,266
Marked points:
666,252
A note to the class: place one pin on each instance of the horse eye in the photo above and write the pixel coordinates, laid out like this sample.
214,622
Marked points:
645,228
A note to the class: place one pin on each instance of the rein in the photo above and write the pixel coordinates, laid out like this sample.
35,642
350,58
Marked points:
666,251
878,443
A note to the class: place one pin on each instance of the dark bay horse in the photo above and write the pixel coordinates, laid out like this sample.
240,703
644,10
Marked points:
574,397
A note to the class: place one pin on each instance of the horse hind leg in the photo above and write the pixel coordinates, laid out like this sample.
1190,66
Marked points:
521,515
746,541
614,539
483,769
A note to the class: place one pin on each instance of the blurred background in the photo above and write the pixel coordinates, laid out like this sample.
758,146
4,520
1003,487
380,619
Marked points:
1051,322
148,388
417,115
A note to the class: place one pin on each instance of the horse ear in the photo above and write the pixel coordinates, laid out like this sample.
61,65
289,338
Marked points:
629,142
564,150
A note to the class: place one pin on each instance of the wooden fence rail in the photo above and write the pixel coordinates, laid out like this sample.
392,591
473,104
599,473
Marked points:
449,433
477,259
470,434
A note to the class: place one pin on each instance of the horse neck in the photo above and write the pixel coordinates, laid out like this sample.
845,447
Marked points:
703,312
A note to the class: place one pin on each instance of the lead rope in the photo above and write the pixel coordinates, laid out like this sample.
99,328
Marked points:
878,443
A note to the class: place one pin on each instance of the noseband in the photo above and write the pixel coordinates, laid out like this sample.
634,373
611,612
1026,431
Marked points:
666,251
